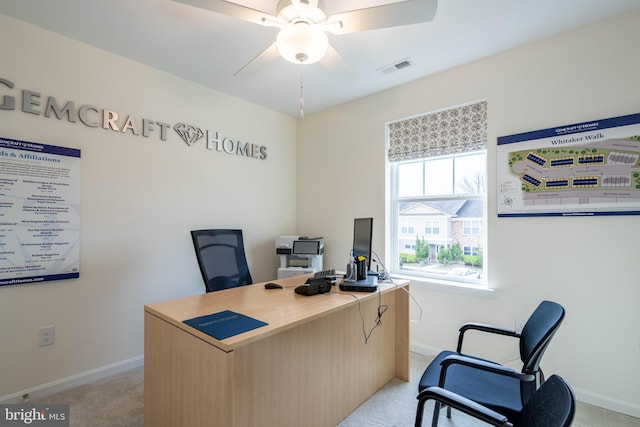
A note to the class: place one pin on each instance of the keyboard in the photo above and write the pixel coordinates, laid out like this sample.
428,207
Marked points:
325,273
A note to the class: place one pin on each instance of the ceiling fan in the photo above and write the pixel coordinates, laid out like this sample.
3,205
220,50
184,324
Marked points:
304,25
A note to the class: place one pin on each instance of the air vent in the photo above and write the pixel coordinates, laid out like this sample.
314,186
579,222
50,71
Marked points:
404,63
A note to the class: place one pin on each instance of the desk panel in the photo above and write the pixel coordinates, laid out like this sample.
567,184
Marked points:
310,366
175,390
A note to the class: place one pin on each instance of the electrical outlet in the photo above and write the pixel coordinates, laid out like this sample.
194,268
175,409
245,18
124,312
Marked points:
46,335
519,325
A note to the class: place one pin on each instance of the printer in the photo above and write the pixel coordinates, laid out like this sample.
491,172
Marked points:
299,255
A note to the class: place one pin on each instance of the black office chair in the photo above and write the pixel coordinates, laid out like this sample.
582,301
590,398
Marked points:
490,384
221,258
552,405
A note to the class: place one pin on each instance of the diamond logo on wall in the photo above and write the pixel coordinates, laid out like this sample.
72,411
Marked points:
189,134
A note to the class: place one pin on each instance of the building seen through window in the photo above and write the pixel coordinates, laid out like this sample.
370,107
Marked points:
438,197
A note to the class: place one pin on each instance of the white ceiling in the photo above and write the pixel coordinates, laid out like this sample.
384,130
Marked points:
209,48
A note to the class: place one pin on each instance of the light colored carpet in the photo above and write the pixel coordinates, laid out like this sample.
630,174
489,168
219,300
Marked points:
117,401
395,405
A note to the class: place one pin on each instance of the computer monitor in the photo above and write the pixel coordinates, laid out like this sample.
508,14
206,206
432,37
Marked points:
362,234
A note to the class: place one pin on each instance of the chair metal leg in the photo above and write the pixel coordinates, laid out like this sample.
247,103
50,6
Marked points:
419,413
436,414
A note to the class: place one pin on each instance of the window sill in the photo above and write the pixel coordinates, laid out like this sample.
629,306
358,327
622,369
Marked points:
481,290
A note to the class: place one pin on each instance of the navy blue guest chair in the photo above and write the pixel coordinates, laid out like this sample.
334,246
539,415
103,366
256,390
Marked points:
490,384
552,405
221,258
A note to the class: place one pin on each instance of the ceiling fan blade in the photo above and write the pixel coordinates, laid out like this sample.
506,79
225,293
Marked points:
336,64
257,64
384,16
230,9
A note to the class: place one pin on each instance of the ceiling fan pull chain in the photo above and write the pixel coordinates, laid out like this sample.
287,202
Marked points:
301,98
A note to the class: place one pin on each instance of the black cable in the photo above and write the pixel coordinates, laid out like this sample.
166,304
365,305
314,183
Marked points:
384,275
382,308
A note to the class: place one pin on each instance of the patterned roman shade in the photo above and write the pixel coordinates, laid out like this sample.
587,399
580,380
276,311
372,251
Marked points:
457,130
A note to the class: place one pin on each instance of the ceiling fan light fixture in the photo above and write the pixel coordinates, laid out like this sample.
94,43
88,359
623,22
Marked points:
302,43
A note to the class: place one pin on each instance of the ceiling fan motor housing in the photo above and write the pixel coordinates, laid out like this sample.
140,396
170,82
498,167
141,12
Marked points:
302,43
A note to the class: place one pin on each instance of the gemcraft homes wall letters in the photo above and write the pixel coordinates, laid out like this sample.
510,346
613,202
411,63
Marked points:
32,102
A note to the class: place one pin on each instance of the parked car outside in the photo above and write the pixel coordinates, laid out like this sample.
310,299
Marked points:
467,273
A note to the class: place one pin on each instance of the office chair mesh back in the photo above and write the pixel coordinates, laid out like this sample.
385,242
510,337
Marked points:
537,333
221,258
534,340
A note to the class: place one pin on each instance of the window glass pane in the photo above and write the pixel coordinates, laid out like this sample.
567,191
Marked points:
470,176
441,234
438,177
410,179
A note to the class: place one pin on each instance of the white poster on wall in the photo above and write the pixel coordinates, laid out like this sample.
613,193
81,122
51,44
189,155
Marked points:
584,169
39,212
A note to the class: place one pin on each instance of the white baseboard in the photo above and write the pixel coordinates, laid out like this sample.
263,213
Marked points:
43,390
425,350
582,395
607,402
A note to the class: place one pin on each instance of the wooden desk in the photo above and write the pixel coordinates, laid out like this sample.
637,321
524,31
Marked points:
310,366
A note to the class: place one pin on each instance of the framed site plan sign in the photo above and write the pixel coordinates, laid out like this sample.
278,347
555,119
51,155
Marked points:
590,168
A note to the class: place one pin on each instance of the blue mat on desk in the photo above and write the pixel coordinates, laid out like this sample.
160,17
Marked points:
224,324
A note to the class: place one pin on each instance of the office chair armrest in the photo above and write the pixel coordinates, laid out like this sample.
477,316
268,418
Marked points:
481,365
460,403
483,327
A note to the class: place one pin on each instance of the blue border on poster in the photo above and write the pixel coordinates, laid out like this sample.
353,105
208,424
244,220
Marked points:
613,122
603,213
38,279
39,148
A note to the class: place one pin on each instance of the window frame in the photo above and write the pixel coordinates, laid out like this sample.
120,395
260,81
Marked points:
393,230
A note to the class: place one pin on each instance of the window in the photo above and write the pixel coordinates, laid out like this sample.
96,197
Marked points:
407,227
470,250
437,181
471,227
432,227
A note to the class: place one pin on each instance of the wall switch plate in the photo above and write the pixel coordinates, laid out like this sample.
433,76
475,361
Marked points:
46,335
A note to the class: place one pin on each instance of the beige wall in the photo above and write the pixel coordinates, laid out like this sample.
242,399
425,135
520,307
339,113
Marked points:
582,75
139,199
